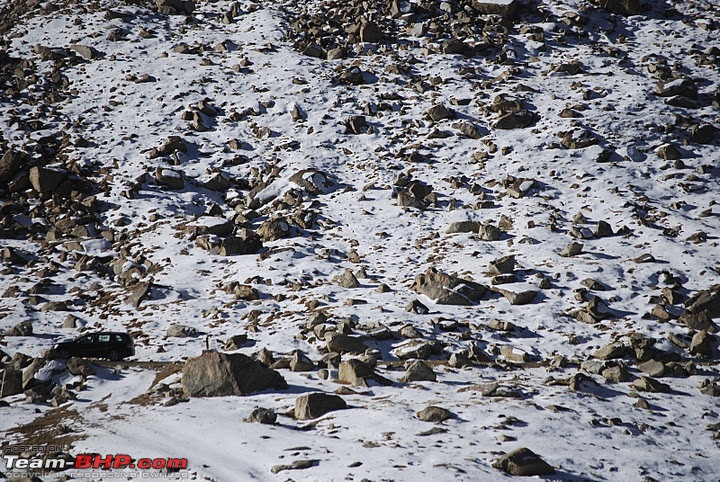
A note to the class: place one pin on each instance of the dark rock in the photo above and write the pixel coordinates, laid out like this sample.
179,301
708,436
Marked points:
703,133
356,125
13,382
347,279
342,343
707,301
504,265
216,374
370,32
314,405
11,163
523,462
515,120
175,6
45,180
623,7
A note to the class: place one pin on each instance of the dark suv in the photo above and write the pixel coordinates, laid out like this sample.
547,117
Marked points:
105,344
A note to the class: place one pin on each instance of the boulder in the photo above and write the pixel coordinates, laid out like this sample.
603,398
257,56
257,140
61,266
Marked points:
342,343
11,163
80,366
370,32
262,415
439,112
356,373
515,120
11,382
314,405
24,328
180,331
434,414
215,374
170,178
446,289
274,229
505,8
523,462
44,179
313,181
175,6
418,371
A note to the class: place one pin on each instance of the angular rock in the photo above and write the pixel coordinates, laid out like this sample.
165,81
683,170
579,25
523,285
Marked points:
357,373
85,51
504,265
313,181
265,416
652,368
702,344
439,112
24,328
341,343
418,371
505,8
44,179
11,163
610,352
572,249
172,144
463,227
139,294
299,362
347,279
274,229
214,374
80,366
647,384
169,178
180,331
445,289
489,232
314,405
13,382
370,32
516,120
523,462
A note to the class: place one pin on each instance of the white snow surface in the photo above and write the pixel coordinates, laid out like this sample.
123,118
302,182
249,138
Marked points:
593,434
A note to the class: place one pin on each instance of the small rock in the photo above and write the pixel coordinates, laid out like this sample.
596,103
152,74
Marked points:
180,331
263,415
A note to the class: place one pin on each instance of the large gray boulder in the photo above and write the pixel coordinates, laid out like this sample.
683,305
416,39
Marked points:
11,382
215,374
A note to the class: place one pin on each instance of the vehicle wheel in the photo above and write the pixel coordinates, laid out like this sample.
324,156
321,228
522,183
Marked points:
114,356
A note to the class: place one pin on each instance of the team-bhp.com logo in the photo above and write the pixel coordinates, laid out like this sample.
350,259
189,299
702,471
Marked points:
93,461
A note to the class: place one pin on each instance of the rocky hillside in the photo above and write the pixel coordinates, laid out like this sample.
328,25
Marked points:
412,239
